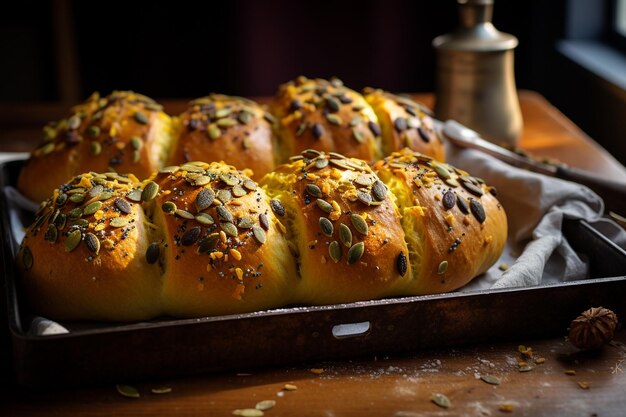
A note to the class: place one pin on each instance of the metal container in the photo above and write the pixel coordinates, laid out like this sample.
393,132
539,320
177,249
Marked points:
475,76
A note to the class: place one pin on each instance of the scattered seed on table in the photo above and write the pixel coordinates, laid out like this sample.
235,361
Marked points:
127,391
161,390
265,405
490,379
441,400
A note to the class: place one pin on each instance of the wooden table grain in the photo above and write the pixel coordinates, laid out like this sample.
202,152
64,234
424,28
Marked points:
560,381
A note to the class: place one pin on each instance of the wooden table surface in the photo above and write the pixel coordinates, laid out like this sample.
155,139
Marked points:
381,385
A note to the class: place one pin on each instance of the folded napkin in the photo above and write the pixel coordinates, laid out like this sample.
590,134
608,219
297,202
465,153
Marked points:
536,205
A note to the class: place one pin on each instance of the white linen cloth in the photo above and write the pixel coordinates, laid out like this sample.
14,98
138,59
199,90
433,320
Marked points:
535,205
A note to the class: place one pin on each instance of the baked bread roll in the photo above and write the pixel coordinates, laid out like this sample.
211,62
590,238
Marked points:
203,239
344,226
222,251
84,256
455,227
225,128
327,116
124,132
404,123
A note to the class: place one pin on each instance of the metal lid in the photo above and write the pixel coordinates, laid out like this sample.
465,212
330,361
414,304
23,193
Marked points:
476,32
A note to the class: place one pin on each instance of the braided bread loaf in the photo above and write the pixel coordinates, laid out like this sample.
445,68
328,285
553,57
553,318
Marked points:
204,239
129,133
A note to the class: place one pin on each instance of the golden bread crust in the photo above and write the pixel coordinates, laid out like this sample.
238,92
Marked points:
84,257
404,124
124,132
456,228
344,227
221,252
327,116
224,128
202,238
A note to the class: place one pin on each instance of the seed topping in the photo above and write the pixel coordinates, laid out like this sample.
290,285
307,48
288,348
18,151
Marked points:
259,234
52,233
462,203
277,207
345,235
334,250
477,210
169,207
92,243
119,222
379,190
359,224
472,188
191,236
314,190
423,134
141,118
400,124
229,228
317,130
150,191
355,253
324,205
449,199
224,214
204,199
205,218
73,239
374,128
326,226
92,208
401,264
263,221
123,205
27,258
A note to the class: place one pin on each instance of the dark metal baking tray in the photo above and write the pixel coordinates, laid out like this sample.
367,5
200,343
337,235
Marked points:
123,352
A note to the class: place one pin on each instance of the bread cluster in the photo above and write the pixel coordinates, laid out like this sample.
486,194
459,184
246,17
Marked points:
199,239
129,133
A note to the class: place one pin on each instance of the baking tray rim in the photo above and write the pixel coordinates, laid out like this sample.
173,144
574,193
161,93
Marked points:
149,326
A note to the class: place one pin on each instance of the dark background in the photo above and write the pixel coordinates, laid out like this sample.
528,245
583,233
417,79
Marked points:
245,47
61,50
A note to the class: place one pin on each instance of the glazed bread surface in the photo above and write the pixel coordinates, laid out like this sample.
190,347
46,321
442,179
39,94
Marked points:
404,123
327,116
84,257
196,240
129,133
124,132
203,239
344,227
455,227
225,128
221,251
